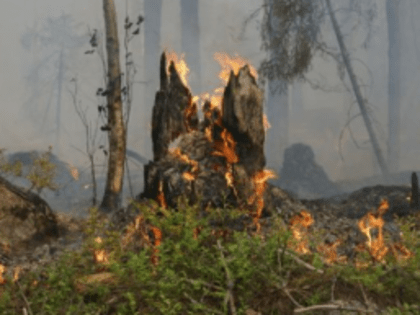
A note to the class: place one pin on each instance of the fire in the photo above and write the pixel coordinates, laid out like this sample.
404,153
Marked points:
226,147
180,66
161,196
2,270
100,255
229,63
266,123
376,247
298,225
73,171
259,181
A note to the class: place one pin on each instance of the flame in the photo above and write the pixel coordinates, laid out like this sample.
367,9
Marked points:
2,270
298,224
266,123
158,237
259,181
188,176
229,63
226,147
161,196
180,66
73,171
100,255
16,272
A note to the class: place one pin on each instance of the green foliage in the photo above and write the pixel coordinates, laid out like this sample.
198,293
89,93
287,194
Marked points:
195,272
41,174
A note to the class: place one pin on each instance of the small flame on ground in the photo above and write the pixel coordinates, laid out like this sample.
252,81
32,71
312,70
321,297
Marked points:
100,255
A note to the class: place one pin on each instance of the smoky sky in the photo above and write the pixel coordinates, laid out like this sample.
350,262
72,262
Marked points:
318,123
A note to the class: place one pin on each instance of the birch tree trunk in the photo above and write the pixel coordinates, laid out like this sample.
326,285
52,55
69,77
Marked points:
116,134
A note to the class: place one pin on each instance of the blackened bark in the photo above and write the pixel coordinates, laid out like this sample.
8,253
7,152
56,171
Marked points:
242,116
171,112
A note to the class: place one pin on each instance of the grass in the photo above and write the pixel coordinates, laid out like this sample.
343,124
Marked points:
206,273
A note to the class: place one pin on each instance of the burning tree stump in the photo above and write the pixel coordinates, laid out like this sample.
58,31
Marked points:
218,161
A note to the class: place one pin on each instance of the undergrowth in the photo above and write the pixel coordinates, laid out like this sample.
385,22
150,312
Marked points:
199,269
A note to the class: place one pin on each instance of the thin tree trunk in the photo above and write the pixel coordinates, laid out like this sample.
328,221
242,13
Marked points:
190,39
58,112
356,90
394,77
93,175
116,135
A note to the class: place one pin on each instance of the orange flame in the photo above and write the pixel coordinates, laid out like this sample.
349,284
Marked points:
100,255
229,63
2,270
298,224
259,181
266,123
226,147
161,196
180,66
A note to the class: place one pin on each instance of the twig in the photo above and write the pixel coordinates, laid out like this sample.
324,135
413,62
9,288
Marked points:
196,302
24,299
334,280
364,295
300,261
286,291
230,282
212,286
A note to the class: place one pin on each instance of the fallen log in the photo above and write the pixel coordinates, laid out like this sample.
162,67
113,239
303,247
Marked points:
25,217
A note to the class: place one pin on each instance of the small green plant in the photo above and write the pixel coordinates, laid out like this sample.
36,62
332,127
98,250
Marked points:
41,174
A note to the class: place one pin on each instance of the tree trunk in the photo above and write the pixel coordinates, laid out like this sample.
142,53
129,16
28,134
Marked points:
190,39
116,135
356,89
58,112
394,78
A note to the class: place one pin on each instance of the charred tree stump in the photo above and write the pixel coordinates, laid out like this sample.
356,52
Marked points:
169,110
213,158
